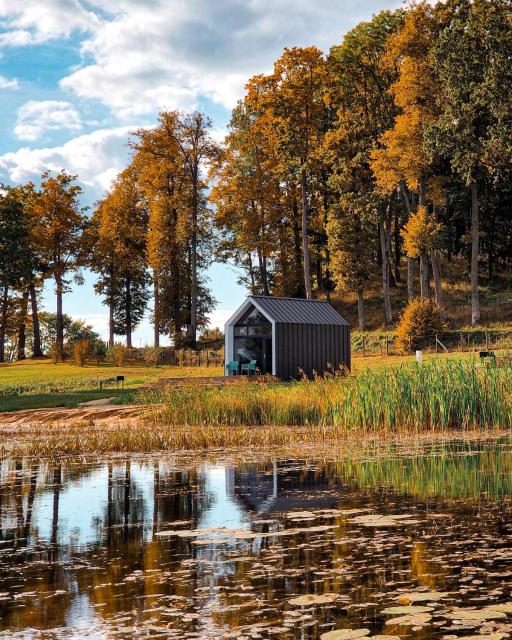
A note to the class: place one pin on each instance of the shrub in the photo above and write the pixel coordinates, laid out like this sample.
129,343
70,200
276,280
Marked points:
80,352
99,351
151,356
117,354
420,321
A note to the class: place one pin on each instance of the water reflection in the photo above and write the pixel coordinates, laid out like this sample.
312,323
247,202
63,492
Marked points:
84,550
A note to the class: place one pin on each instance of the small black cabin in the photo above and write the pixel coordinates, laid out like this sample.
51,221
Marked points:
288,336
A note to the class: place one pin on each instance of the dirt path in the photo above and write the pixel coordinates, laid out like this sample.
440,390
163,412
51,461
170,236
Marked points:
69,416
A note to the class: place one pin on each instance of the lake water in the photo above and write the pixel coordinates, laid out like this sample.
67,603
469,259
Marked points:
191,547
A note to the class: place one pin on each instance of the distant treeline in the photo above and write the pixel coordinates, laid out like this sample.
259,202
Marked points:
393,149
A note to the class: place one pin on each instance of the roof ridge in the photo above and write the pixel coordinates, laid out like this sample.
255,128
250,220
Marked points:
258,295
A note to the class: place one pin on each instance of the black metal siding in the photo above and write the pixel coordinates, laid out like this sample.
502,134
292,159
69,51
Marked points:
310,348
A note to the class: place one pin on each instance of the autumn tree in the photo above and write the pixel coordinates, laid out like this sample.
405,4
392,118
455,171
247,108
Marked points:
298,109
359,82
247,196
13,257
171,162
422,236
350,242
401,160
120,224
60,223
471,61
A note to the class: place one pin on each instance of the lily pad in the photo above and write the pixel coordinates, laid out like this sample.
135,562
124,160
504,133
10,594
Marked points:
413,620
480,615
311,598
410,609
421,596
345,634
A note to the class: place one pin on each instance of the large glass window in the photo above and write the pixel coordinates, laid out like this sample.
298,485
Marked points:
253,340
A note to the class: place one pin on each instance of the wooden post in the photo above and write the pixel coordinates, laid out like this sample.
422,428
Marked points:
364,346
486,340
387,344
436,344
461,342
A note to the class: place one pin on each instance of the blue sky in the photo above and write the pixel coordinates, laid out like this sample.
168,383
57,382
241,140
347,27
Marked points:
76,76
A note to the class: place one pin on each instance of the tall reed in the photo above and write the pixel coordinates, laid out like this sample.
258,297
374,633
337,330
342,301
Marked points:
449,395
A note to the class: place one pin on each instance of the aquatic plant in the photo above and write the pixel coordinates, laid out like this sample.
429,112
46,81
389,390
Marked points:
440,395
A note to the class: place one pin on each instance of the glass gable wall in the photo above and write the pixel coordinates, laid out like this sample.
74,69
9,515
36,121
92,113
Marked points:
253,340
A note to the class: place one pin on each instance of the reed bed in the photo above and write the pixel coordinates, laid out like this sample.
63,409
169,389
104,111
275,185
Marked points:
410,400
454,394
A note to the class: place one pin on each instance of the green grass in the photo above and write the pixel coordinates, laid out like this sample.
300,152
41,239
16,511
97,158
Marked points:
51,400
33,384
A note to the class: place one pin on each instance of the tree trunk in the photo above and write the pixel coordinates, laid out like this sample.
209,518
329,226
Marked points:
360,308
436,272
305,241
424,288
262,262
475,300
111,336
410,277
193,261
297,253
128,301
388,316
3,321
396,233
37,352
156,313
22,328
59,330
250,270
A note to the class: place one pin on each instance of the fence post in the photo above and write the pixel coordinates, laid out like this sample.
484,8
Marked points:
486,340
199,358
387,344
364,346
436,344
461,342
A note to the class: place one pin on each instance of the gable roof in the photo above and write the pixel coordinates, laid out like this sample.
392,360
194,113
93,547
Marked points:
297,310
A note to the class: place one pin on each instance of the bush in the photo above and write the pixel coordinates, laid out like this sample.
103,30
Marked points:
80,352
419,323
151,356
99,351
117,354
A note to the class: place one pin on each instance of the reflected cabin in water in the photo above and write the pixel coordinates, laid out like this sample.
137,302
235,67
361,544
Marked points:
286,337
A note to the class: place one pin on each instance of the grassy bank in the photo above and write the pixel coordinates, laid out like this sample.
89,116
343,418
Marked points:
440,395
32,384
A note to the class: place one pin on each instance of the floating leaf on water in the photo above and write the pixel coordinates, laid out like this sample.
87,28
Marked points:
421,596
323,598
480,615
376,520
506,607
415,619
410,609
345,634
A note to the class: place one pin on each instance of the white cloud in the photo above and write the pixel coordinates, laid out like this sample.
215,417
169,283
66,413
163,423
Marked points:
139,55
96,157
5,83
30,22
37,117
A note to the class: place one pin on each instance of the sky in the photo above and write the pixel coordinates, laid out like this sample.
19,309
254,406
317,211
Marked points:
77,76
